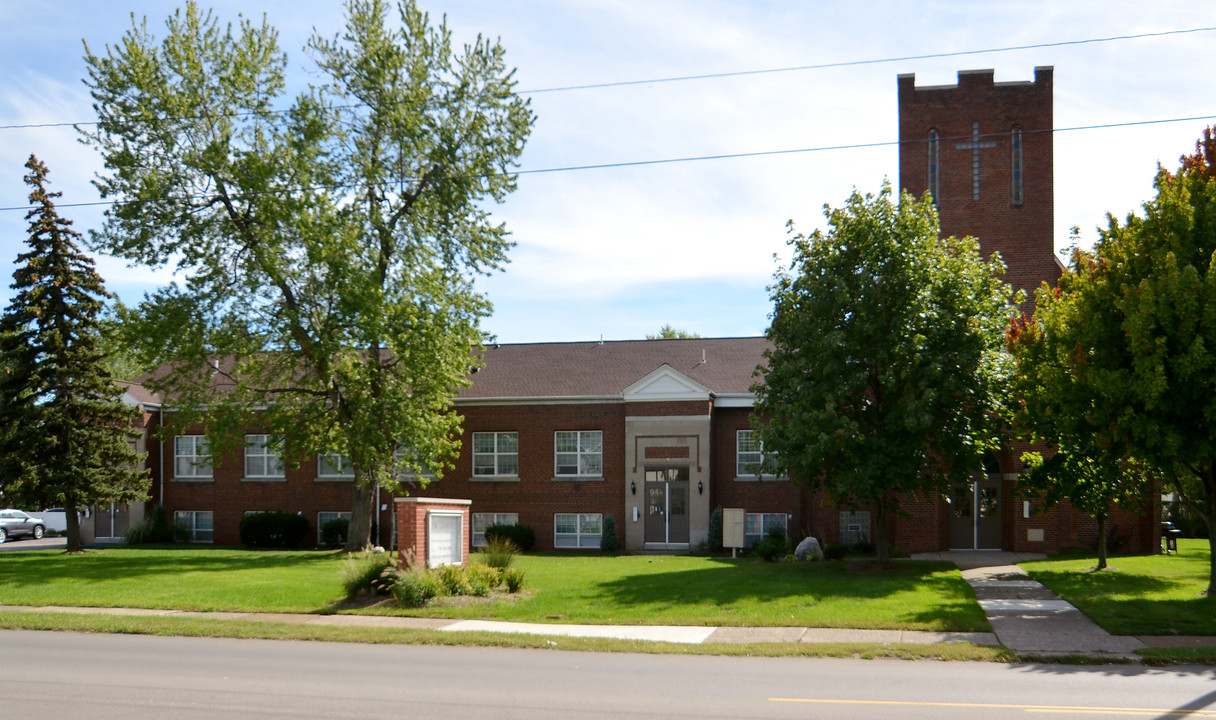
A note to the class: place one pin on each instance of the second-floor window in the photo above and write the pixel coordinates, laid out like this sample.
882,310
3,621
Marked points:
191,457
578,453
263,457
334,465
495,453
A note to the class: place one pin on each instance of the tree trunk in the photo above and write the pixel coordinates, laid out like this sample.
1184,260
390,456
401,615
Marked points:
362,496
1101,541
880,531
73,529
1209,504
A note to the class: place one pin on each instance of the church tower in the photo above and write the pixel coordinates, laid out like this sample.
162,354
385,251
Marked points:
984,150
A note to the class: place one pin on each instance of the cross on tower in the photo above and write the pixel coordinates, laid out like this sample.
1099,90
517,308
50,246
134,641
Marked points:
975,145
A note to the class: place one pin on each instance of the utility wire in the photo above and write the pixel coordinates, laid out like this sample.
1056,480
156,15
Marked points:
766,71
721,156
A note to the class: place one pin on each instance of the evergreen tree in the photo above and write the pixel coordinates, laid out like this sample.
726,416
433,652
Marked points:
64,430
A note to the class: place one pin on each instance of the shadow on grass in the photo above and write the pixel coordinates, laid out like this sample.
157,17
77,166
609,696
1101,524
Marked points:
924,594
41,568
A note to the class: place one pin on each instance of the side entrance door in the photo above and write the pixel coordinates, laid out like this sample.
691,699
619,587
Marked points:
666,507
975,514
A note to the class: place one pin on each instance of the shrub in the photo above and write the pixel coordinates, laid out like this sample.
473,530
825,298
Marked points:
482,579
273,530
453,580
415,587
609,543
835,551
362,571
156,529
523,536
499,553
514,579
715,531
769,549
334,532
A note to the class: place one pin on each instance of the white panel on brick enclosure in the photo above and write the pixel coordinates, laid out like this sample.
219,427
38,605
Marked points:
444,533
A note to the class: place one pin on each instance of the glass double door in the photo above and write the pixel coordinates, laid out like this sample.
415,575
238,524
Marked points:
666,506
975,515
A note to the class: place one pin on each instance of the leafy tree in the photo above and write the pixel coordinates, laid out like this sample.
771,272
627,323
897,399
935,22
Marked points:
1142,330
1054,395
64,431
887,365
329,251
670,332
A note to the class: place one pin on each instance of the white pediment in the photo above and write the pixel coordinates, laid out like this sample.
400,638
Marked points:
665,383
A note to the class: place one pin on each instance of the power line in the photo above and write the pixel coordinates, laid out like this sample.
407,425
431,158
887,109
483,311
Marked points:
701,158
765,71
854,63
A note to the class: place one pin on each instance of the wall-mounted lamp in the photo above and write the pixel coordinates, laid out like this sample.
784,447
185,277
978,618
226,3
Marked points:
633,488
700,488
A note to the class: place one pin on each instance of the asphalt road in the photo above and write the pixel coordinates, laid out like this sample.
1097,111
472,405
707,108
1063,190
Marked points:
133,677
46,543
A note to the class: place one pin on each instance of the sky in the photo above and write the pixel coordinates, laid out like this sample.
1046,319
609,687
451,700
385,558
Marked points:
615,253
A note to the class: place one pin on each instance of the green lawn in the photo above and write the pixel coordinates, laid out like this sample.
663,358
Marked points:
560,588
1138,594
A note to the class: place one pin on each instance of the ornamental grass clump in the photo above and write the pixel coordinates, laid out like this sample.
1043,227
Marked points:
363,572
499,552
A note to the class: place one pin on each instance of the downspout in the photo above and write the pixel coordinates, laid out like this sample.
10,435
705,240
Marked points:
160,461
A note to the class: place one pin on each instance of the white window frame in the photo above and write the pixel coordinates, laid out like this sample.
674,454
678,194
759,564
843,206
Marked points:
196,531
757,525
258,450
481,521
197,455
755,459
503,461
583,458
584,536
334,466
325,516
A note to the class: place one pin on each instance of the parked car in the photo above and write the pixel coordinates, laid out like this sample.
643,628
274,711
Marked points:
16,523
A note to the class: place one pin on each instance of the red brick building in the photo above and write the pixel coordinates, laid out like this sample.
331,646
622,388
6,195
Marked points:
656,433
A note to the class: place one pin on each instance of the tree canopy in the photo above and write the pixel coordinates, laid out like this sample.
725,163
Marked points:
888,365
66,438
671,332
328,249
1140,333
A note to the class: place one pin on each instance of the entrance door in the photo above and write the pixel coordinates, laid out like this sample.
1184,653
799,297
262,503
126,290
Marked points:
975,515
111,523
666,506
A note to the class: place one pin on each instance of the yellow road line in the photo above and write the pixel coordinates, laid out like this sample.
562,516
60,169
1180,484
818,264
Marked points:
1056,709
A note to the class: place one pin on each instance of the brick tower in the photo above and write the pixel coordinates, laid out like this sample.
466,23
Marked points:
984,150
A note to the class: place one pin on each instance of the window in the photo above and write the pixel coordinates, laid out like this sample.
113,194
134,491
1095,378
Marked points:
334,465
261,459
324,517
196,524
1017,166
750,458
191,457
481,521
576,530
495,453
756,526
934,165
578,453
855,527
405,474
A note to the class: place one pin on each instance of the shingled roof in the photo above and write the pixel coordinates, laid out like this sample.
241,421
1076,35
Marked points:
605,369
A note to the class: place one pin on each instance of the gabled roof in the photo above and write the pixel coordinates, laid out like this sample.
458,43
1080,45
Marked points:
608,369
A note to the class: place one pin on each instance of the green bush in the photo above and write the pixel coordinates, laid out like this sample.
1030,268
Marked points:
155,530
835,551
715,531
482,579
609,543
362,571
415,587
523,536
334,532
453,580
499,553
273,530
514,579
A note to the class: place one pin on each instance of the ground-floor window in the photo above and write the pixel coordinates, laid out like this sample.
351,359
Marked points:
756,526
481,521
577,530
325,517
855,527
198,525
